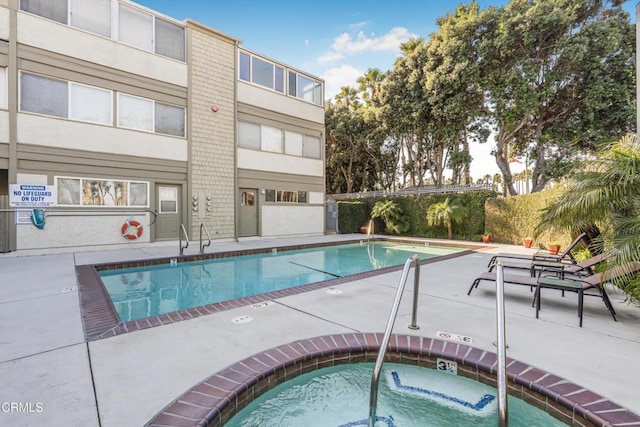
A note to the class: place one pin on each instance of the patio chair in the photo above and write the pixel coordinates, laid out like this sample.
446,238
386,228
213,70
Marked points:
558,268
562,266
541,254
582,284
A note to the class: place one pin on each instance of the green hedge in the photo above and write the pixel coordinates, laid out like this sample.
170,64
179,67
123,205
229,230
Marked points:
353,214
511,219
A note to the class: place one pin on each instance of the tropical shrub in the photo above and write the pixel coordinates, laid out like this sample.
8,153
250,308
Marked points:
446,213
394,219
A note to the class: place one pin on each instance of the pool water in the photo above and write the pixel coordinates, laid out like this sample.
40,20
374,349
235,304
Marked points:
408,396
146,291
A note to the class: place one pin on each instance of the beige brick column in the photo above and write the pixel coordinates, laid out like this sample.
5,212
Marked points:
211,125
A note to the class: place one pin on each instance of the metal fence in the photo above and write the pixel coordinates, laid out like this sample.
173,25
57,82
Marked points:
5,224
444,189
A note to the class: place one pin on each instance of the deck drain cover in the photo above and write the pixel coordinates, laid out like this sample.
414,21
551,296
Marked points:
68,289
262,304
334,291
242,319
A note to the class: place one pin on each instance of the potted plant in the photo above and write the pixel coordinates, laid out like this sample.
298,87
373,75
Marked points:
553,248
486,237
527,242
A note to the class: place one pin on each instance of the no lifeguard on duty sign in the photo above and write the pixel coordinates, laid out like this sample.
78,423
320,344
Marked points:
32,196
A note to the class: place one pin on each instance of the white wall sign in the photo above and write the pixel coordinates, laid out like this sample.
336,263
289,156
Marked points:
23,216
40,196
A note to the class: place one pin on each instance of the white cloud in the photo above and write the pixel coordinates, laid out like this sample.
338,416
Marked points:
306,43
330,58
358,24
337,77
389,42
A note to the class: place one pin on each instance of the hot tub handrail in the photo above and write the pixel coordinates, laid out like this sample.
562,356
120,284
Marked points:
202,245
375,378
502,349
182,232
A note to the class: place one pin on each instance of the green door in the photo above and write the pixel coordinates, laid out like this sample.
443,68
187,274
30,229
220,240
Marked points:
248,212
169,218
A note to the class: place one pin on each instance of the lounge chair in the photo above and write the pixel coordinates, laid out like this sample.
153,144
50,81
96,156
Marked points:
563,266
558,268
541,254
582,284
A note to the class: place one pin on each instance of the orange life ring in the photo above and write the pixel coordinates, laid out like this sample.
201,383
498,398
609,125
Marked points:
126,231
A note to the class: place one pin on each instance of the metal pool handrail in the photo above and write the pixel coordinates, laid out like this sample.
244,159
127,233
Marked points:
375,378
202,246
502,349
183,232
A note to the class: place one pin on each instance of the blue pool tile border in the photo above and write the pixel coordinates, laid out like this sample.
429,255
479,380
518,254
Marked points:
101,320
215,400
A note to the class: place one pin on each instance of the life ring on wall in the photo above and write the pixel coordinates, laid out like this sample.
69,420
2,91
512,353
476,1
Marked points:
131,230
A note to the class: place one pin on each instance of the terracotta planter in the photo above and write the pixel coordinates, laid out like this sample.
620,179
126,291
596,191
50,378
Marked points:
553,249
363,230
527,243
486,239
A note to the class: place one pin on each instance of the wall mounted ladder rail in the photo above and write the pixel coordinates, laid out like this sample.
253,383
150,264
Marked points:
202,245
501,374
182,232
375,378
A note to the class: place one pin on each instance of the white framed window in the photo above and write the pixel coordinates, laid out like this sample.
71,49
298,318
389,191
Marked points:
169,119
135,112
261,72
43,95
271,139
96,192
249,135
169,40
293,143
135,27
312,147
90,104
245,66
306,88
56,10
91,15
285,196
168,200
4,91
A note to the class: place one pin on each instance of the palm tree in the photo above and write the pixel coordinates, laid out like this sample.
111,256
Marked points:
606,193
447,214
369,83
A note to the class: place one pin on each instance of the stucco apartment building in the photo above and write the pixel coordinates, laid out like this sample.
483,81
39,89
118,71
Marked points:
111,110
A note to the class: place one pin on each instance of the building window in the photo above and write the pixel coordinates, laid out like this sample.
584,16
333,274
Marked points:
305,88
169,120
285,196
134,27
101,192
4,93
90,104
168,200
135,112
170,40
271,139
293,143
92,15
249,135
312,147
56,10
43,95
261,72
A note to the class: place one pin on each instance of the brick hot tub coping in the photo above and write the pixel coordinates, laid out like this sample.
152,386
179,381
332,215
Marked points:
218,398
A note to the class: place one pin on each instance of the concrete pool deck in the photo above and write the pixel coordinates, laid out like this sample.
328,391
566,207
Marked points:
60,380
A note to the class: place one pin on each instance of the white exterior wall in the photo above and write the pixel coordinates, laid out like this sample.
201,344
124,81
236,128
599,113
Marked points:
273,162
4,126
62,133
274,101
4,23
292,220
69,41
79,231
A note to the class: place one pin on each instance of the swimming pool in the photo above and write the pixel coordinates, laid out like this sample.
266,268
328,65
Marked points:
408,396
142,292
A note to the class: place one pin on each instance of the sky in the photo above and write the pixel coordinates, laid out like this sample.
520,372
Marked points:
334,40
